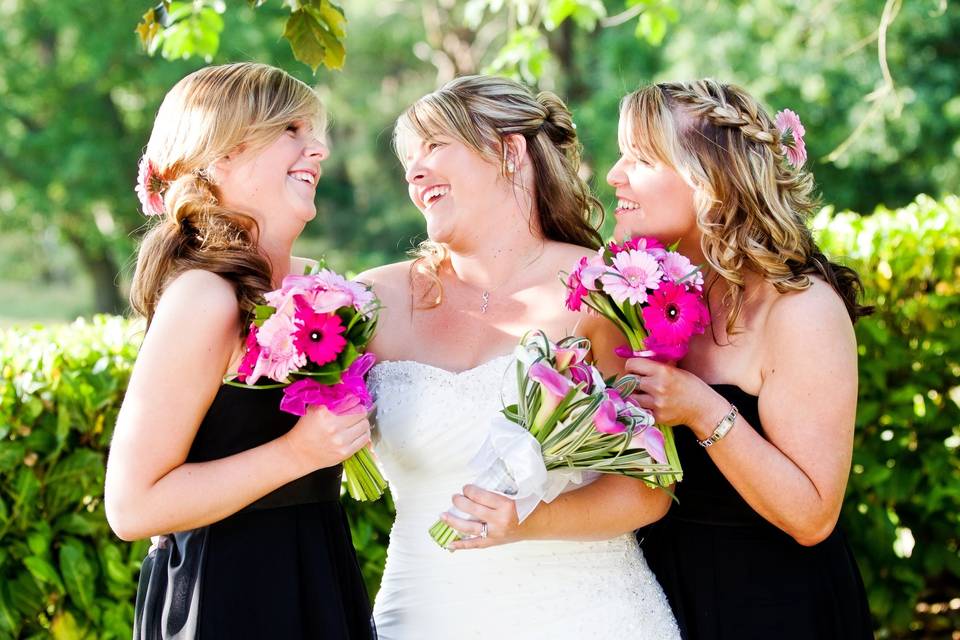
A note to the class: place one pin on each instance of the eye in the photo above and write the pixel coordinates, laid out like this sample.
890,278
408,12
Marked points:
433,145
293,127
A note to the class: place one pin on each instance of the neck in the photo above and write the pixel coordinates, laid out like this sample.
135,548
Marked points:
278,252
489,266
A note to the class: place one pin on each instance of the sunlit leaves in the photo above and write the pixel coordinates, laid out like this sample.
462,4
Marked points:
316,32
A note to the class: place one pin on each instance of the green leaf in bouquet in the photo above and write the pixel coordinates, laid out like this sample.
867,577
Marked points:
261,313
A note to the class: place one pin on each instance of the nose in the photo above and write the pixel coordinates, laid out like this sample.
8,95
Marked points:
317,150
415,173
616,176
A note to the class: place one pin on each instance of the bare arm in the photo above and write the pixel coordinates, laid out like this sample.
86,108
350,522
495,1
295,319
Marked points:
795,477
150,489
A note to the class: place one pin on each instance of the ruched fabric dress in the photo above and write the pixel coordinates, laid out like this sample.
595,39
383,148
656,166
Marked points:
728,573
284,567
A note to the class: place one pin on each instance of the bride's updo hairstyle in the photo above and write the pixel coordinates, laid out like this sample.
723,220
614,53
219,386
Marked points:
480,112
752,205
206,116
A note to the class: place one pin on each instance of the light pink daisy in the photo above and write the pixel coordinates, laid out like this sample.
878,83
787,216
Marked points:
631,276
678,268
279,354
791,136
150,188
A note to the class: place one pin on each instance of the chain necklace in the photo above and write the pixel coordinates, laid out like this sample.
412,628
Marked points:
485,293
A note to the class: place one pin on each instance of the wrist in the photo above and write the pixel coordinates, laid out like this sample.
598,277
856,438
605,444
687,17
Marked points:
714,409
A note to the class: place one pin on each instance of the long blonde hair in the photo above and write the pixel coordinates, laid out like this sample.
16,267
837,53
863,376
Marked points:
480,112
752,206
204,117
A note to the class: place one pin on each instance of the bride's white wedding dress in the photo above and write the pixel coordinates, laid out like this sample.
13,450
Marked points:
430,423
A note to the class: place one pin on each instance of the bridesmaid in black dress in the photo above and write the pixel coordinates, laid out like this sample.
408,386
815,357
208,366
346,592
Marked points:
260,547
767,397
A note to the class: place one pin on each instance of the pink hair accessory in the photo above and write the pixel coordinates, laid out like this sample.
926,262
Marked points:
791,137
150,187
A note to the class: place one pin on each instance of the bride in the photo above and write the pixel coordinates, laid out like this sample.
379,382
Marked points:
493,169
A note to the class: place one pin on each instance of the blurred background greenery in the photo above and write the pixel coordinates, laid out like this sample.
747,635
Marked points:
876,83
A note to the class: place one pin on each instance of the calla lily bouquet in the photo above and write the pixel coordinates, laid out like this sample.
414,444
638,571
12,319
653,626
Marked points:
568,421
653,294
309,339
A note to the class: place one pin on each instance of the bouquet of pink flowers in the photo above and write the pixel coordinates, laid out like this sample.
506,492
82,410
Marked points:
309,339
568,422
652,293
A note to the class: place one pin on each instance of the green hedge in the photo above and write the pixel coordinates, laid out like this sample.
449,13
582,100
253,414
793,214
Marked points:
902,510
62,572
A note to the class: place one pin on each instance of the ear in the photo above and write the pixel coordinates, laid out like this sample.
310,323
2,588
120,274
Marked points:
515,150
224,165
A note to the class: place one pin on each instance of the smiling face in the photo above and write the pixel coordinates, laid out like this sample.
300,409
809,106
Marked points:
457,190
652,200
277,183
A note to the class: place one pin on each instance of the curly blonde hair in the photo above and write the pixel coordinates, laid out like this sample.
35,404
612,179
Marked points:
480,112
205,116
752,206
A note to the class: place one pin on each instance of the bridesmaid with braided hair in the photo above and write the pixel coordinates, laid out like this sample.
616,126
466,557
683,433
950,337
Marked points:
751,548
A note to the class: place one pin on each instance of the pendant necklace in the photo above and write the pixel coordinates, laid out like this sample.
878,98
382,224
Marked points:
485,293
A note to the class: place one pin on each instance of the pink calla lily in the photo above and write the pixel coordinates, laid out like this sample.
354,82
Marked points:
555,383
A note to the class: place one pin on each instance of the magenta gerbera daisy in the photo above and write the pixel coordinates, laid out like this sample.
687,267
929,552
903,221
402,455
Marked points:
674,314
318,335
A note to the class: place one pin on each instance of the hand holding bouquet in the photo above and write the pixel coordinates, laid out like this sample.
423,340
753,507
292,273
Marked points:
568,420
309,339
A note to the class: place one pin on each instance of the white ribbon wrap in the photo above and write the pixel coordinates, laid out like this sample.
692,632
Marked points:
510,463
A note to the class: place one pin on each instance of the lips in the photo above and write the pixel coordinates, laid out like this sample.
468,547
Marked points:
307,176
430,195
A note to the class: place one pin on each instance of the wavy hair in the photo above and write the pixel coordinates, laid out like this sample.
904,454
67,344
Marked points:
752,206
207,115
480,112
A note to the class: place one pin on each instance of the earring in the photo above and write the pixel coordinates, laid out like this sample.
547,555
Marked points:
510,167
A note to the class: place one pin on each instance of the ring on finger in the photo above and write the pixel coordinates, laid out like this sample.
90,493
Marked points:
483,531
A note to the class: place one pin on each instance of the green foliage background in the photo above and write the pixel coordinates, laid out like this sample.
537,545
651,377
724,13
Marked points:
62,572
77,99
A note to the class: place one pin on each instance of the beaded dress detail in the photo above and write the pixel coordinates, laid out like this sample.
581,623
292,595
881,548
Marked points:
430,423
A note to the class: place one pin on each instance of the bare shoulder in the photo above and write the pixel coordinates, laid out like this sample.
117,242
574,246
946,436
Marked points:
388,280
202,296
814,310
565,256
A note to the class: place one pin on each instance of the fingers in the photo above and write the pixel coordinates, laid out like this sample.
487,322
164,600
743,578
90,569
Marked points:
642,366
470,543
468,528
475,509
486,498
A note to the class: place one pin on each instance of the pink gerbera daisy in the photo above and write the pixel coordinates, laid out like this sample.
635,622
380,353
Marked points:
679,269
245,370
318,335
149,188
791,136
674,314
633,274
278,356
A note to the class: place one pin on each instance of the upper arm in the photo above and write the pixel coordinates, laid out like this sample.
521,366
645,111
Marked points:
391,286
179,369
808,398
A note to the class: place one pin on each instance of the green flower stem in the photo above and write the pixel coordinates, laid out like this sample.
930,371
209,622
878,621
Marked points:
364,480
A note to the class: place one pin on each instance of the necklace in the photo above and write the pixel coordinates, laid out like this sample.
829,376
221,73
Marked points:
485,293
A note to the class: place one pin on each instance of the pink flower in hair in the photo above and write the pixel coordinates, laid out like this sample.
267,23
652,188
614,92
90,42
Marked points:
150,188
791,137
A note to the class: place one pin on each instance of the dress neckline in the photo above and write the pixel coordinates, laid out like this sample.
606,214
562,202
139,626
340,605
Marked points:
441,370
730,385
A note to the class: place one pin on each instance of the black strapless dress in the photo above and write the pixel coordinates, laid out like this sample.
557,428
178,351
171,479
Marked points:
728,573
284,567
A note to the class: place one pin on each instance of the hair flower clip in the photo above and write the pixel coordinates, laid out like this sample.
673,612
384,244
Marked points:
150,187
791,137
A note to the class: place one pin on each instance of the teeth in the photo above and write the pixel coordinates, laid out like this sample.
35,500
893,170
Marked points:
627,204
303,176
434,194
